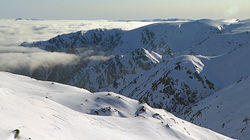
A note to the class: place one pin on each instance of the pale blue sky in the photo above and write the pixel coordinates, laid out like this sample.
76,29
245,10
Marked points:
124,9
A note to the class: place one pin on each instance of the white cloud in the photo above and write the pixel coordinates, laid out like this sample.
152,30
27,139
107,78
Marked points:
19,59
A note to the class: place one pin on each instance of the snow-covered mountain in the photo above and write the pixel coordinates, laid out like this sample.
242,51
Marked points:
32,109
167,65
179,66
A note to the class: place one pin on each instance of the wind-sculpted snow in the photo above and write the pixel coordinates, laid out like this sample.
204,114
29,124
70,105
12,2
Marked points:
31,109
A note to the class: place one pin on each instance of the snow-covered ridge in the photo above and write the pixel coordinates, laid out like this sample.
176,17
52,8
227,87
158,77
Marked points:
171,85
177,37
47,110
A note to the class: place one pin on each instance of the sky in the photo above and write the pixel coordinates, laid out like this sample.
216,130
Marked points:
124,9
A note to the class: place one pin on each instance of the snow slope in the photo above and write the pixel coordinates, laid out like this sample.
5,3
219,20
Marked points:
226,111
46,110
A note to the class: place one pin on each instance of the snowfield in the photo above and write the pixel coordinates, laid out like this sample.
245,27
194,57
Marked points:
47,110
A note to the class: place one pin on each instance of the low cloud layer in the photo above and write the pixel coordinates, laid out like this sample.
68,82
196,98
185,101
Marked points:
14,32
14,59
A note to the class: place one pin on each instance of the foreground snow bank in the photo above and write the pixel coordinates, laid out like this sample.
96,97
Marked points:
46,110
